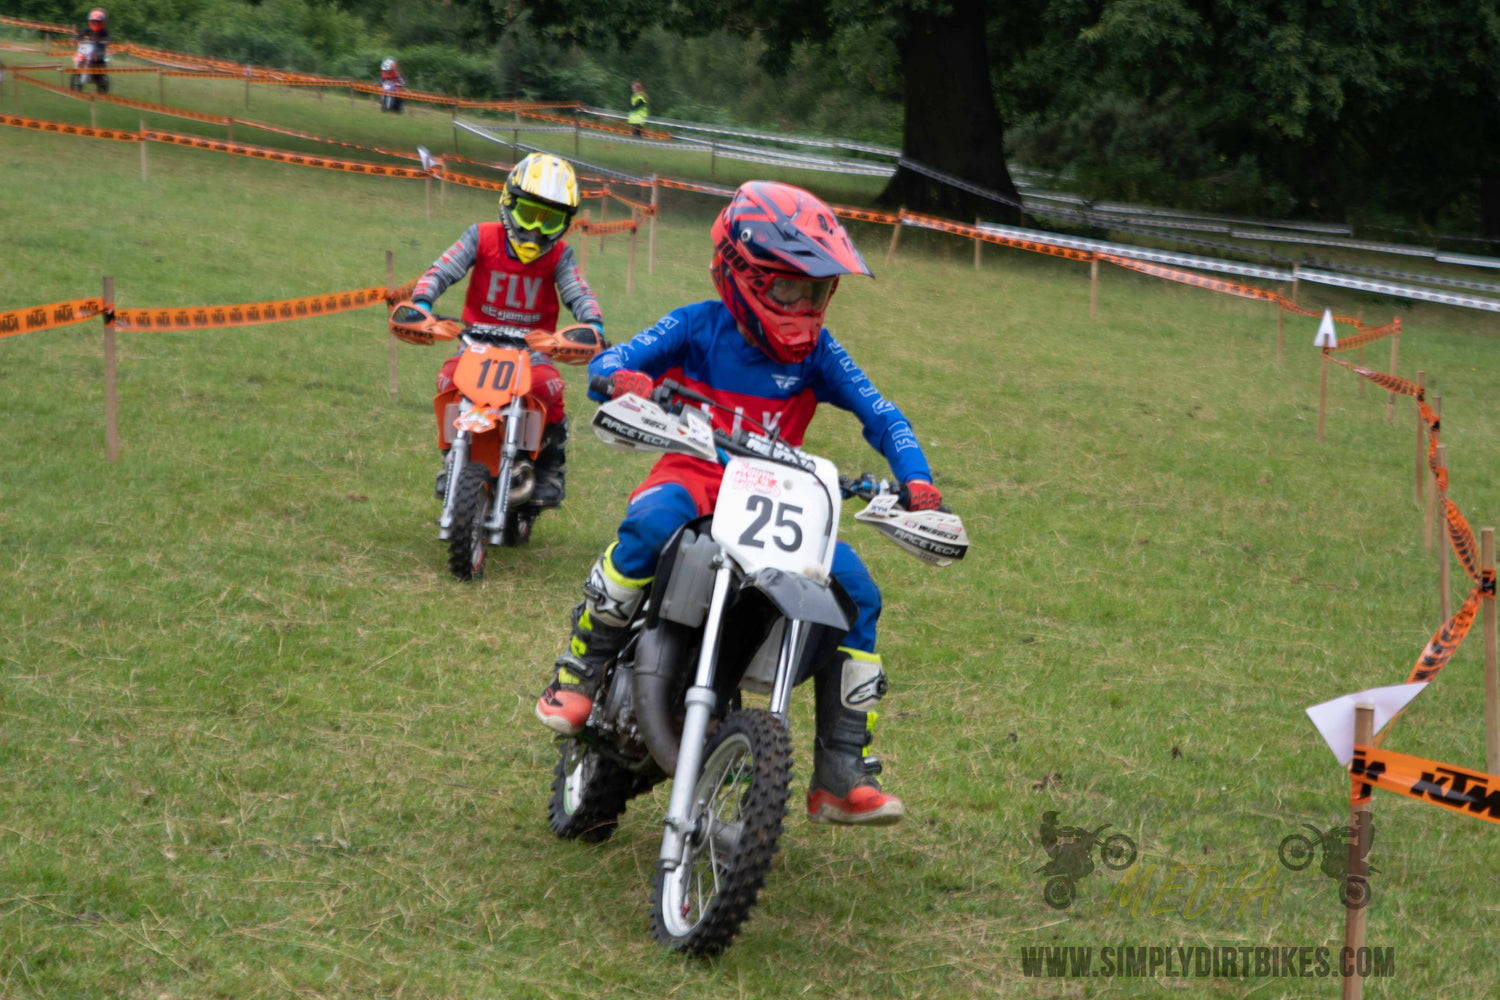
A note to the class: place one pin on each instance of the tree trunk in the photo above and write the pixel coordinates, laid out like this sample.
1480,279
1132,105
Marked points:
951,123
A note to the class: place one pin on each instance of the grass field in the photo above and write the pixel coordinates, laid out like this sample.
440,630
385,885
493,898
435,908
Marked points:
255,742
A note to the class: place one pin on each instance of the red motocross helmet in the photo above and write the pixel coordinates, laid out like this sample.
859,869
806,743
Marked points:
778,254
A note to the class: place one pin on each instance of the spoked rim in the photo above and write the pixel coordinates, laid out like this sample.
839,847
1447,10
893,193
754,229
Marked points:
690,889
476,534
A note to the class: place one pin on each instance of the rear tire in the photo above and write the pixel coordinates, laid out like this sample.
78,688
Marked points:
739,802
466,539
589,793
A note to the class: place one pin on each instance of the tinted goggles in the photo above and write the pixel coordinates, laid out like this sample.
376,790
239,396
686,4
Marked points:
543,218
803,293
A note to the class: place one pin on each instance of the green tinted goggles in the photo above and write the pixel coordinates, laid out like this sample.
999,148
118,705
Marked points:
545,219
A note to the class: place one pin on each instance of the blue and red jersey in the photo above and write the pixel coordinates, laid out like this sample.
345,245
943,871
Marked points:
699,346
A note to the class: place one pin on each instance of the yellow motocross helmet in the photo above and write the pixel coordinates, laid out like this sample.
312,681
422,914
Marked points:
539,201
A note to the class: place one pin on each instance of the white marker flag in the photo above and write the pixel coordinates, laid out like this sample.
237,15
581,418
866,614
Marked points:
427,158
1326,336
1335,719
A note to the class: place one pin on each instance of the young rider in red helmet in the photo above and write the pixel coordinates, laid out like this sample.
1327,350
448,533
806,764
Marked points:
759,349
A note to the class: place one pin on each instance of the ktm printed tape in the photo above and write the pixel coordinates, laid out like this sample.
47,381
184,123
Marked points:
213,317
45,317
281,156
1457,789
63,128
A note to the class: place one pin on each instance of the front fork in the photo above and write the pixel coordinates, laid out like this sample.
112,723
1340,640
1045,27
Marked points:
701,699
496,523
459,451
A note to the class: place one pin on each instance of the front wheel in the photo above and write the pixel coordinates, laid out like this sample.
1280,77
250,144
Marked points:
739,802
589,792
471,504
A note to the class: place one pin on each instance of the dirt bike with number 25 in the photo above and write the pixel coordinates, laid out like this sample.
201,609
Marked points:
491,427
743,600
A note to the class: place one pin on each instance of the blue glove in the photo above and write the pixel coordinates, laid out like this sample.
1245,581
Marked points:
422,304
598,325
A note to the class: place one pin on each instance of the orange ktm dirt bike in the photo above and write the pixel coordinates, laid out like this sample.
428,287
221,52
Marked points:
491,426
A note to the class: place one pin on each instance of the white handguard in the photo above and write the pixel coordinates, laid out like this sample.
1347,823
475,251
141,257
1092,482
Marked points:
631,423
935,537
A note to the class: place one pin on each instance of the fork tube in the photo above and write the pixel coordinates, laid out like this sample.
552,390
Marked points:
786,667
460,449
700,704
508,452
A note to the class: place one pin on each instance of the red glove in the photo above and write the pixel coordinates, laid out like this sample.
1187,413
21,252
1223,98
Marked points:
629,383
917,495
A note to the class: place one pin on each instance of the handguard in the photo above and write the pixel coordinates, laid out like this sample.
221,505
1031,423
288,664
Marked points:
415,325
935,537
572,345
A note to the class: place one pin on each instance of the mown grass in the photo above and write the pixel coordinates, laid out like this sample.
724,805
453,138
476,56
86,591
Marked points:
256,743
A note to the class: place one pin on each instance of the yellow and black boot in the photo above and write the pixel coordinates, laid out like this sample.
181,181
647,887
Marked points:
843,788
600,627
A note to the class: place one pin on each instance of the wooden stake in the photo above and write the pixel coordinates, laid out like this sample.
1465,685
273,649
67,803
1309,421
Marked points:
1360,360
1295,280
1445,585
1094,288
603,216
583,244
1322,397
977,242
443,190
1491,653
890,254
429,198
1390,404
575,132
1427,533
1359,847
651,232
1421,439
630,261
390,282
161,87
93,113
111,405
143,149
713,149
247,87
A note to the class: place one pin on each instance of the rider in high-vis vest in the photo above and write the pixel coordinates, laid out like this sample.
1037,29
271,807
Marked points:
522,270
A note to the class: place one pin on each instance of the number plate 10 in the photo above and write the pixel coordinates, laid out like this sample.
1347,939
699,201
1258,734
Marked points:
493,375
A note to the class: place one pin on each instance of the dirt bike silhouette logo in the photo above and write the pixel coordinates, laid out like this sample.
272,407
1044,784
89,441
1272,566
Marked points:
1297,849
1071,849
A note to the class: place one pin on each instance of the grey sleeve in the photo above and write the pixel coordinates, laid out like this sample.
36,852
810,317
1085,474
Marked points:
450,267
574,291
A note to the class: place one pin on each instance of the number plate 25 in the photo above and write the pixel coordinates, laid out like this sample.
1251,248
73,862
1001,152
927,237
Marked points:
772,515
492,376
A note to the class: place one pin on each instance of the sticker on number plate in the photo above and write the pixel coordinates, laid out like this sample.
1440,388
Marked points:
478,420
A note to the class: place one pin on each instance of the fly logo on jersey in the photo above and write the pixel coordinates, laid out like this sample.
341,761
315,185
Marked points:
509,285
786,383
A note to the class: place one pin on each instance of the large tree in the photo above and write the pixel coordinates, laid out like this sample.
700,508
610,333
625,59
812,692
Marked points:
951,123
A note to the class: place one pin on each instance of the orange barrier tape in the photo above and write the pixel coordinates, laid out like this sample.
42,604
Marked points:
1464,544
45,317
16,47
467,180
1457,789
214,317
645,208
297,134
17,22
973,232
646,133
1190,278
160,109
602,228
865,214
1446,640
281,156
63,128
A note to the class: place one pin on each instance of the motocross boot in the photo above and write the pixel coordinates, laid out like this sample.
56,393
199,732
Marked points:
601,624
843,788
551,466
